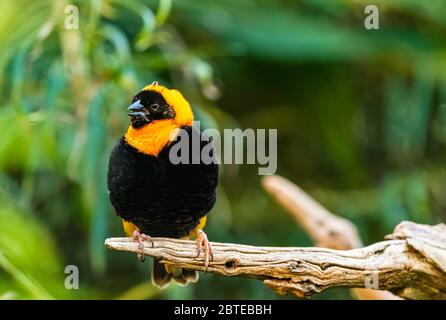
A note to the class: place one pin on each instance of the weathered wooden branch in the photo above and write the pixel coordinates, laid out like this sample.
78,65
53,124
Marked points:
411,264
325,228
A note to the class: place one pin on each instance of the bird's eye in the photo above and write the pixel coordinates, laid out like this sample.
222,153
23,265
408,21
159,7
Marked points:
155,107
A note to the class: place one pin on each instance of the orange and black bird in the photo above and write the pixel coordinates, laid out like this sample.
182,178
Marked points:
157,197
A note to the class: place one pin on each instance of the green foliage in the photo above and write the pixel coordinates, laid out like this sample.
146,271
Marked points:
361,118
22,241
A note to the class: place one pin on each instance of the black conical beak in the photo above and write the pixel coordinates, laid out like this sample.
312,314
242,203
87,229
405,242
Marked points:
137,110
136,106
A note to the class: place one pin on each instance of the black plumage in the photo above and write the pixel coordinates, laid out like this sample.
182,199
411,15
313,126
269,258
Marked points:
161,198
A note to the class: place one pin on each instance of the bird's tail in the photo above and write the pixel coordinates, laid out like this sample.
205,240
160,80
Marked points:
162,275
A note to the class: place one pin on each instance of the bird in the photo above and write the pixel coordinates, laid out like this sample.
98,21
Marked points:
153,195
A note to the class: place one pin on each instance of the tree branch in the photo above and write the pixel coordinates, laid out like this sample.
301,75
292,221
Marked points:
393,265
324,227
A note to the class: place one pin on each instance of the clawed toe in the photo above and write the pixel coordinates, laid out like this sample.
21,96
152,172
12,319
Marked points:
203,242
140,238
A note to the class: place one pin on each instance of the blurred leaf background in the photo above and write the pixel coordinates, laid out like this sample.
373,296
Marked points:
361,119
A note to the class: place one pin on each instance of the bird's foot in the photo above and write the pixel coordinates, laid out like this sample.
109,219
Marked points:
140,238
203,242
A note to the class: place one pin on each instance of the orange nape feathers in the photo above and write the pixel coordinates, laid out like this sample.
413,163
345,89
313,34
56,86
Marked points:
153,137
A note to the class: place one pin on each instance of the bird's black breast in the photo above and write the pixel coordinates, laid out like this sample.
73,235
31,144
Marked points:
161,198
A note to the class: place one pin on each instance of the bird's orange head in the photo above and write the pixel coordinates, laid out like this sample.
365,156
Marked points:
155,113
